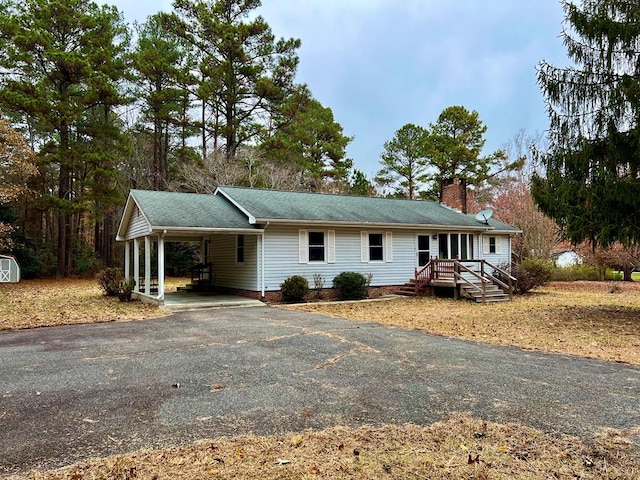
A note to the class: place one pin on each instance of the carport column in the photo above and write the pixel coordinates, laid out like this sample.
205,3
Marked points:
147,265
136,263
161,266
127,261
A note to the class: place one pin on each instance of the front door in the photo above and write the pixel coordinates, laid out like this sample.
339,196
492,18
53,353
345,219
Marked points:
424,251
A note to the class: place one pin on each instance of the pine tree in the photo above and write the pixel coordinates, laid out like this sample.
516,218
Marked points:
63,62
243,68
455,147
591,183
162,65
404,161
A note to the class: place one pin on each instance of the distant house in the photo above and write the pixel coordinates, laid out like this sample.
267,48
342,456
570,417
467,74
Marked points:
251,240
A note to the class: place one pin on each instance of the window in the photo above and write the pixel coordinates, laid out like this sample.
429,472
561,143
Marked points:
490,245
455,245
376,251
316,246
376,247
240,249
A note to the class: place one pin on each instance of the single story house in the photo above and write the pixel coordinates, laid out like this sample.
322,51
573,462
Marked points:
254,239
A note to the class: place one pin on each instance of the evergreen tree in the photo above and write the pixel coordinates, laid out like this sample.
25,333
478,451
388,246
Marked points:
63,60
361,185
162,76
243,68
591,183
307,138
456,142
404,161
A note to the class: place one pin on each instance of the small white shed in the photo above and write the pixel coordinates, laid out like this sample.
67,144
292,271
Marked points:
9,270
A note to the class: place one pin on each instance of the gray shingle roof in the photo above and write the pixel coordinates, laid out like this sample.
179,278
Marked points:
273,205
189,210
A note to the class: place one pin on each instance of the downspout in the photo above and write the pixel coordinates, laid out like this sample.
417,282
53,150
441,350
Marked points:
262,286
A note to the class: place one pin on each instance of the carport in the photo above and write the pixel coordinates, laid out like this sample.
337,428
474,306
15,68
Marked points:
150,219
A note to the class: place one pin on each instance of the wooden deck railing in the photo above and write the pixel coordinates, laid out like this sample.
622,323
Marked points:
454,271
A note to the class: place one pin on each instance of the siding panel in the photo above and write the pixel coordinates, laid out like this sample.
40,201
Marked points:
282,258
138,226
228,272
498,259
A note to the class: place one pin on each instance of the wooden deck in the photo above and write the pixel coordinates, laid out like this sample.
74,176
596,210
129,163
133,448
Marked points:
476,279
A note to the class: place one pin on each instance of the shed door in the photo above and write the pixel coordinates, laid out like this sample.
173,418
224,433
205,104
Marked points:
5,270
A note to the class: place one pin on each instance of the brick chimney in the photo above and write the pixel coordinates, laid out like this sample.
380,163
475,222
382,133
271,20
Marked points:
453,193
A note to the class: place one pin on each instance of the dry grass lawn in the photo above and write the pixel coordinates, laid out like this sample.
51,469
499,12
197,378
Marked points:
460,448
575,318
45,303
578,318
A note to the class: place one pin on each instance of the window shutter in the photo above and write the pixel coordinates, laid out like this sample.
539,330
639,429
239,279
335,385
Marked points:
331,246
485,244
303,247
498,245
364,247
389,247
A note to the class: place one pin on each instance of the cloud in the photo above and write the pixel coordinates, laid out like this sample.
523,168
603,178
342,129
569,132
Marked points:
379,64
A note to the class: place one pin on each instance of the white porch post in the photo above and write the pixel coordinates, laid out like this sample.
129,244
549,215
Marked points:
203,241
136,263
147,265
127,261
161,266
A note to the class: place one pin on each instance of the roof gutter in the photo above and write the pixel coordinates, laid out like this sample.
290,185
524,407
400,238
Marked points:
480,228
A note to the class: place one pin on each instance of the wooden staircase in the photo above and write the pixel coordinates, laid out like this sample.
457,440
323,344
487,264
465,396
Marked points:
492,293
409,289
202,279
475,279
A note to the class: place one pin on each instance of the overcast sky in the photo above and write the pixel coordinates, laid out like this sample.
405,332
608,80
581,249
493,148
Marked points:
379,64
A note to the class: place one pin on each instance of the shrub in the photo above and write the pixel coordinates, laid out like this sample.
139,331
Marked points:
294,288
318,284
572,273
109,280
531,273
125,289
351,285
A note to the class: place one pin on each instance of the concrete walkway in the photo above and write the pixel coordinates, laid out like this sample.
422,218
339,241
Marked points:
184,301
68,393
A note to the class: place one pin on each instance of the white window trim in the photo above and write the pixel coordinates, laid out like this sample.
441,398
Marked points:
329,246
387,247
486,248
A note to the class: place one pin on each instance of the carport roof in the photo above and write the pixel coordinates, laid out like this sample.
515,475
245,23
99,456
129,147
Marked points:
183,211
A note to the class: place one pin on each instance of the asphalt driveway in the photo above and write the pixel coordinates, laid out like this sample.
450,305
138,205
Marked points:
67,393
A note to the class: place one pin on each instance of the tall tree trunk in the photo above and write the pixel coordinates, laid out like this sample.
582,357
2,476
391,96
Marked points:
64,218
204,128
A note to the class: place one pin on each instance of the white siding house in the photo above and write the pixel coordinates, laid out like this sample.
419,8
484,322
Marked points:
255,239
